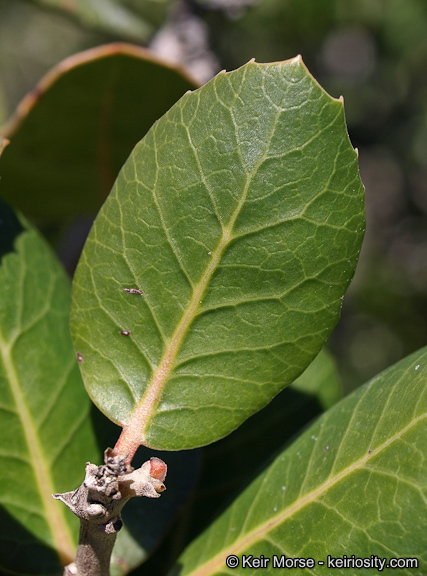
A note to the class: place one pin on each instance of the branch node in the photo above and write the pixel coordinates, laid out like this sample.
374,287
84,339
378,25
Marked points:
98,503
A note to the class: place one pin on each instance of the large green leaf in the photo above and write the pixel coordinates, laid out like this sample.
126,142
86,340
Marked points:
239,217
355,483
45,428
74,131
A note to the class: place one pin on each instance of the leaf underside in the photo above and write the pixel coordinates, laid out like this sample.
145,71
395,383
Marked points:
215,270
45,427
355,483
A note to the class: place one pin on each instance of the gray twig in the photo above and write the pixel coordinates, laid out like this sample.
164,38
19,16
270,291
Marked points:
98,503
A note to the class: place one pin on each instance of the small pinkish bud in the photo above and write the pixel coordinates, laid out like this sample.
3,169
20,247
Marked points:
145,481
158,469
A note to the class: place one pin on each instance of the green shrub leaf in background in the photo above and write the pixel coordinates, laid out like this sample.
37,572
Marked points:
354,483
45,427
74,131
110,16
216,268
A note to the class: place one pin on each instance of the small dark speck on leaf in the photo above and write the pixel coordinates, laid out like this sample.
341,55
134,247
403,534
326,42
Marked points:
133,291
125,332
79,357
370,451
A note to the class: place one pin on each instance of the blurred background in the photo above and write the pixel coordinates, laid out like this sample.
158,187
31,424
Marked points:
372,52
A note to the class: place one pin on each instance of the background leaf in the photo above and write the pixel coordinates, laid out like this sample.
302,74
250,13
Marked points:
111,16
320,381
240,217
74,131
354,483
45,428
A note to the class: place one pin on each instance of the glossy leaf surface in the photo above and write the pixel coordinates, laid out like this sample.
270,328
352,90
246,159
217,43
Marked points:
355,483
75,130
215,270
45,428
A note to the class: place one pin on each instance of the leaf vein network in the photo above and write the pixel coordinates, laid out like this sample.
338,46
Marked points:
53,398
108,360
273,522
110,315
67,439
165,228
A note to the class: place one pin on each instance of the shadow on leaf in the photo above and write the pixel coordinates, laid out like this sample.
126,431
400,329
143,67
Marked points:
22,552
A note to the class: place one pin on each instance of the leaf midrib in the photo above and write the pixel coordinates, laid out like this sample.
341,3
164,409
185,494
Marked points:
136,426
134,431
54,516
217,563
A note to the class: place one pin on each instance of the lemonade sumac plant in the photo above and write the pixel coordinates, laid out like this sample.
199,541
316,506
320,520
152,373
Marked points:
211,278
